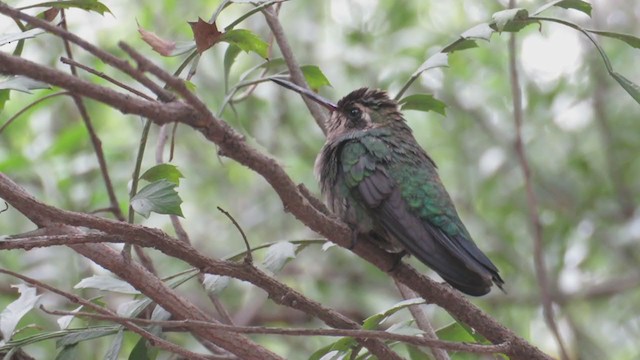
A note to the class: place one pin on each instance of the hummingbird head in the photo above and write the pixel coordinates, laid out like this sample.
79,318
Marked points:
359,111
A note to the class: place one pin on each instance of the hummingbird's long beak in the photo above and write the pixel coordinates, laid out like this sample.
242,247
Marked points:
306,92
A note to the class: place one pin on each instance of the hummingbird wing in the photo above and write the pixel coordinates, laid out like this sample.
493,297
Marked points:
405,196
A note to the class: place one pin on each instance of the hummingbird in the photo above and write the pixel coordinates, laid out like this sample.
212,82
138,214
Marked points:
375,176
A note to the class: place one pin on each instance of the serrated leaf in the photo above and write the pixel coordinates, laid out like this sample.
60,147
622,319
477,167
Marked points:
314,77
247,41
278,254
87,5
116,345
629,39
23,84
504,17
579,5
106,283
167,172
214,284
29,34
459,45
632,88
159,197
84,335
481,31
12,314
205,34
423,102
65,321
229,58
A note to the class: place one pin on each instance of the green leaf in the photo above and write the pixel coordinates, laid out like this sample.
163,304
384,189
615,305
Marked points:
373,321
423,102
278,254
106,283
460,44
416,354
159,197
229,58
23,84
12,314
504,17
247,41
116,345
579,5
88,5
88,334
4,97
141,351
29,34
167,172
632,88
629,39
68,353
314,77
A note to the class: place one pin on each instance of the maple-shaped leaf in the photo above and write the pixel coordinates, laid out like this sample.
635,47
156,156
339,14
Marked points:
205,34
162,46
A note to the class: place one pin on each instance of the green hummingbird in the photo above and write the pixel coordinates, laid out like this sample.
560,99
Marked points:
378,180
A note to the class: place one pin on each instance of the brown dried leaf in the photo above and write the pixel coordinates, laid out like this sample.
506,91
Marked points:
162,46
205,34
50,14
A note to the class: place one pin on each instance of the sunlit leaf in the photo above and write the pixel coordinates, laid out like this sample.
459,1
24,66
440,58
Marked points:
314,77
435,61
29,34
481,31
12,314
65,321
159,197
167,172
504,17
247,41
460,44
214,284
23,84
278,254
106,283
423,102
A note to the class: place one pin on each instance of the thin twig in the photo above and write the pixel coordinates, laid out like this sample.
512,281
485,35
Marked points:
24,109
361,334
100,74
248,258
157,341
297,77
422,321
534,218
95,140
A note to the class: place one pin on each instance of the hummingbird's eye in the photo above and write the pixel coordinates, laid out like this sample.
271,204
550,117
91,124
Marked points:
354,113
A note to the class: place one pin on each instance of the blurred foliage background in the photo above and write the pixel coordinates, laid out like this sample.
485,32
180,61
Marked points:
581,135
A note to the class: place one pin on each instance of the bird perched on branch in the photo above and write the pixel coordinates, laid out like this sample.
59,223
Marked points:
376,178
